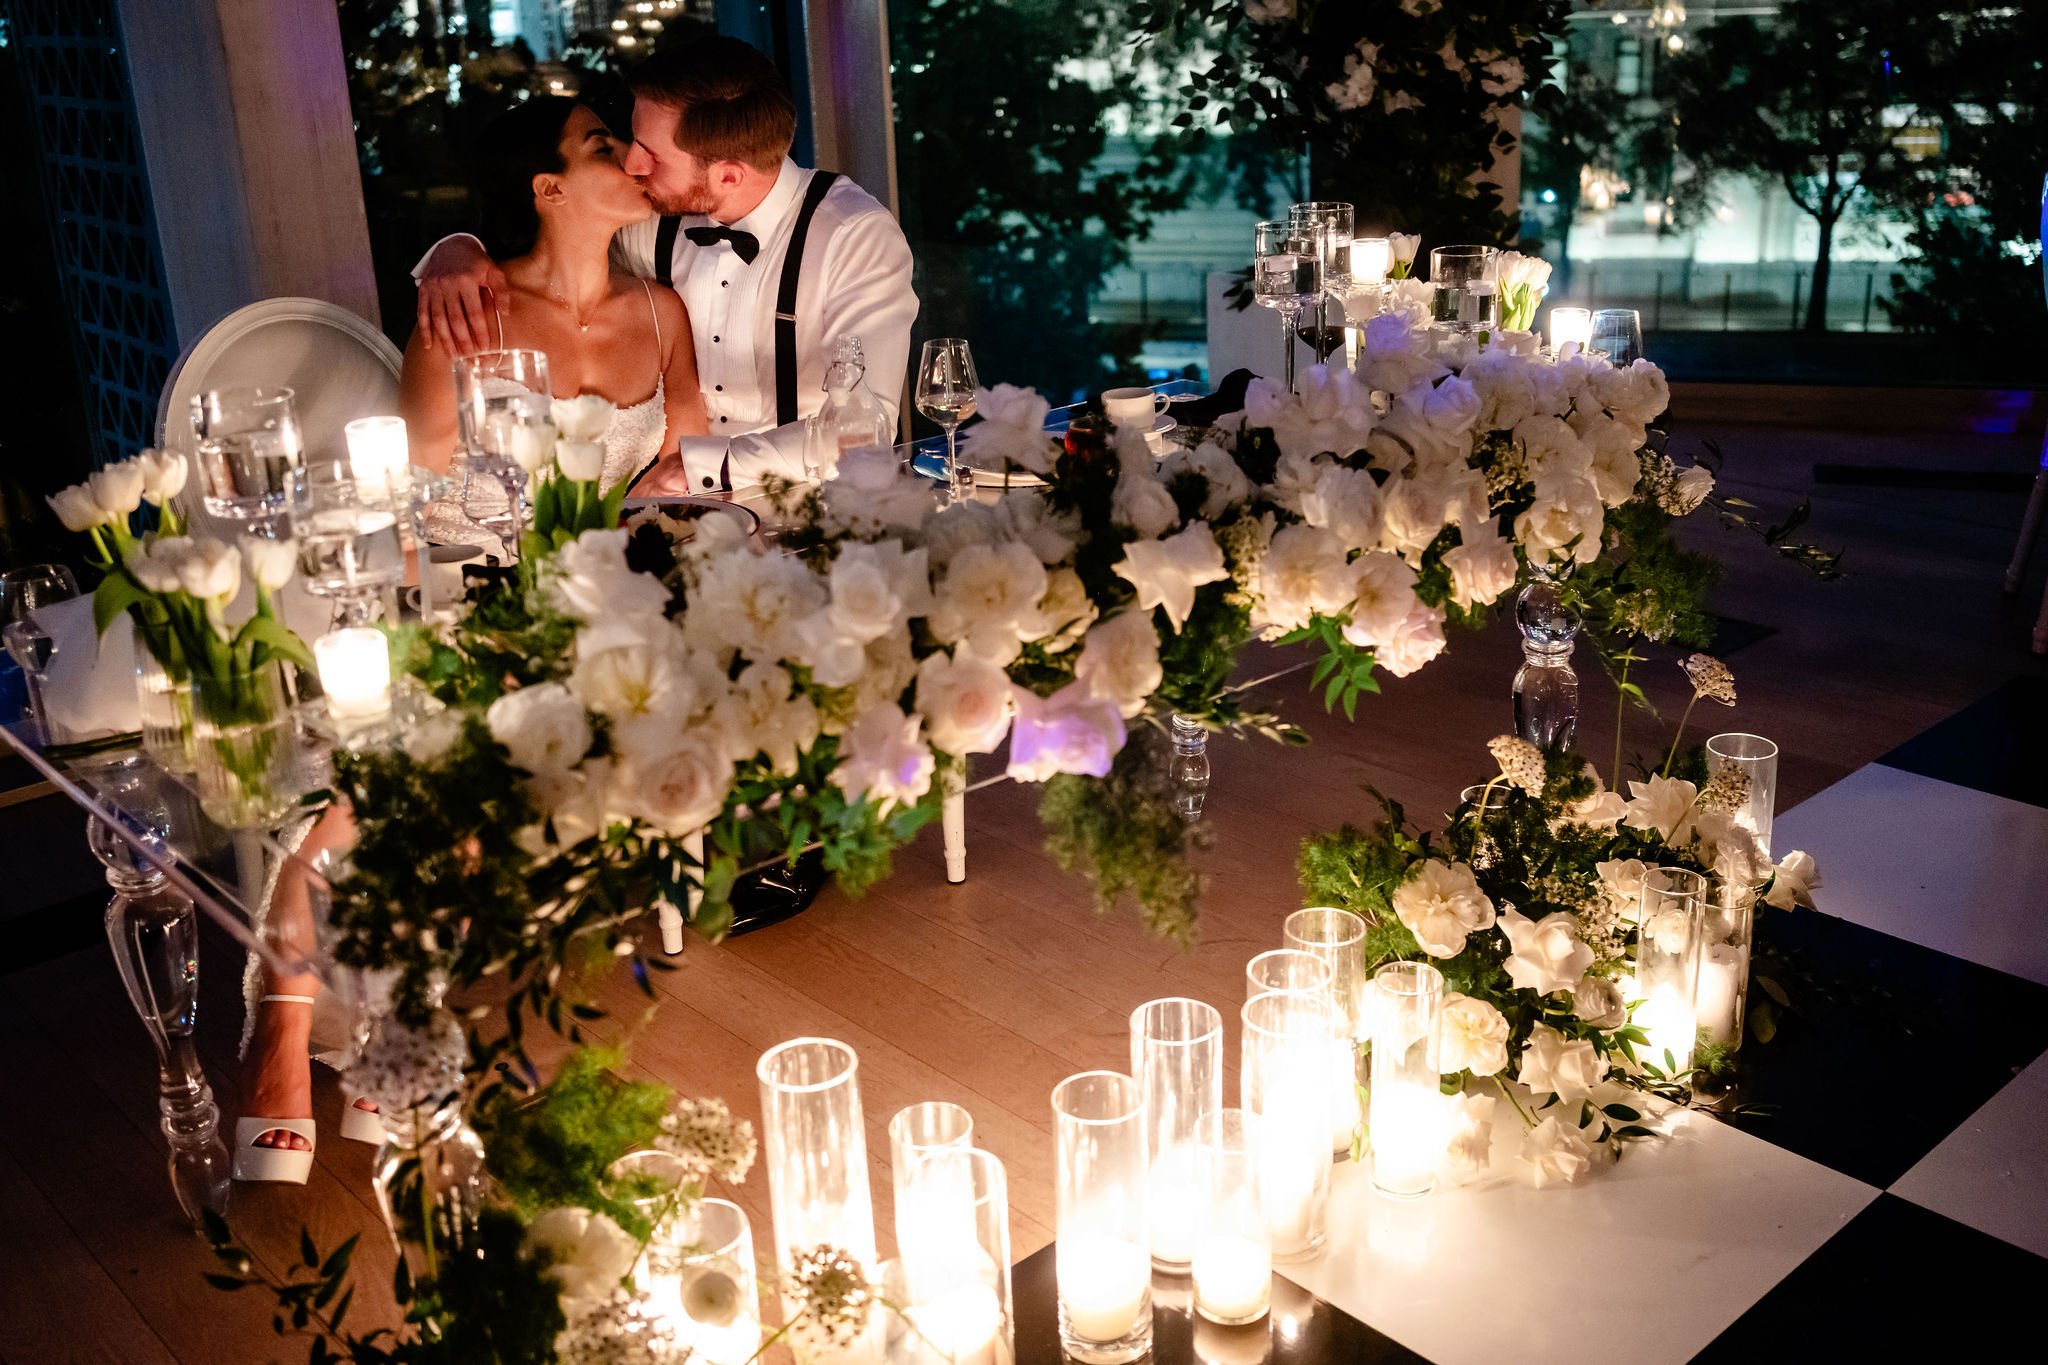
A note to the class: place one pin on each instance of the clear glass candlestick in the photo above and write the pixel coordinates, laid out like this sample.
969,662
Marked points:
1668,944
1177,1061
1233,1256
1757,759
814,1145
1406,1017
1285,1079
1102,1256
1337,938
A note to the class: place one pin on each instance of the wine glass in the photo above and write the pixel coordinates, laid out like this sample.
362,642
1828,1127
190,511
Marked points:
1330,224
247,443
1287,273
24,591
1467,287
1619,332
945,393
347,533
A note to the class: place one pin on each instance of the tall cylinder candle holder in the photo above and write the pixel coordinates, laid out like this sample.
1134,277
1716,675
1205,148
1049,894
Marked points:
955,1268
717,1310
815,1146
1722,997
1668,941
1177,1061
1286,971
1285,1079
1337,937
1757,759
1102,1249
1233,1254
1406,1014
927,1190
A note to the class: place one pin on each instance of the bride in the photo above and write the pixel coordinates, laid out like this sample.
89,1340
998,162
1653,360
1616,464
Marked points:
554,191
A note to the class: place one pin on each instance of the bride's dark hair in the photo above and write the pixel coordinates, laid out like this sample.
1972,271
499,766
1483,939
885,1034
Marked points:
517,145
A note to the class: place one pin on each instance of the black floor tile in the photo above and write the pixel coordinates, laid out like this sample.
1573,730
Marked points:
1995,744
1301,1329
1897,1274
1889,1046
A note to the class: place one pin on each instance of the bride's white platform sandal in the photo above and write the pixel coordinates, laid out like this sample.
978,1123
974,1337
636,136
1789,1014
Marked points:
279,1165
358,1124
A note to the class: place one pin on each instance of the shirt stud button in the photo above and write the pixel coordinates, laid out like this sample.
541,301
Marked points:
721,419
719,388
707,481
714,341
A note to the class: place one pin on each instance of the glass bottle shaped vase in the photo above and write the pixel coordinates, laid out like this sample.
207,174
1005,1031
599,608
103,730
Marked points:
1546,691
1190,767
852,416
430,1183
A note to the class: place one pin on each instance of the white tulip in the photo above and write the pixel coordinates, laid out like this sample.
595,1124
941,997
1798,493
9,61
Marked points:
585,418
117,489
210,569
75,507
530,445
155,565
580,461
163,475
1401,245
269,562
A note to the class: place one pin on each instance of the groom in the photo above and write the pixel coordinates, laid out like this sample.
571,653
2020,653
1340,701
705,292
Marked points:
774,263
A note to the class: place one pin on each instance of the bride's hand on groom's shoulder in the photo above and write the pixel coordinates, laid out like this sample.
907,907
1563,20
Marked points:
454,315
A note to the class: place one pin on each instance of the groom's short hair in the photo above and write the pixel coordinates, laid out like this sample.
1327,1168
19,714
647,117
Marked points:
734,105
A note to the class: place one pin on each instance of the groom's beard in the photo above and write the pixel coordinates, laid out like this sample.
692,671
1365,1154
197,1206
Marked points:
695,199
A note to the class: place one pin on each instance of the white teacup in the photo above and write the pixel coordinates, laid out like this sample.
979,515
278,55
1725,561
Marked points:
1133,408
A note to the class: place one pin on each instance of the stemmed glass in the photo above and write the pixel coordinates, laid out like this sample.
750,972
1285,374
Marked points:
247,443
1467,287
349,546
945,393
1287,274
1619,332
1330,224
502,402
24,591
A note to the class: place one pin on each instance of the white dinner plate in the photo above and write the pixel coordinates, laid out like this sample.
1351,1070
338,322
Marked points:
686,505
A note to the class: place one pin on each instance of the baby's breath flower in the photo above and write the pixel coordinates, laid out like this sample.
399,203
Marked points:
1726,791
1710,678
1520,762
618,1329
704,1135
829,1299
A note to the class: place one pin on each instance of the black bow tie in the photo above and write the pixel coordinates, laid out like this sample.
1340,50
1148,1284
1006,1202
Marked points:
745,245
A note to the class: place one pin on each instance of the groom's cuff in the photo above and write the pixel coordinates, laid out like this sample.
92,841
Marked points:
421,268
704,463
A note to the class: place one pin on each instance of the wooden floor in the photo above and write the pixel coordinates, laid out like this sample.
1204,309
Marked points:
991,992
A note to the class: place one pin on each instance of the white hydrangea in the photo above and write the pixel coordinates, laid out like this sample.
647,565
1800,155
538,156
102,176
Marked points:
1119,661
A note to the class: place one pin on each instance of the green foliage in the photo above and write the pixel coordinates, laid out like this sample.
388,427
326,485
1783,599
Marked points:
1344,670
554,1148
1125,835
564,509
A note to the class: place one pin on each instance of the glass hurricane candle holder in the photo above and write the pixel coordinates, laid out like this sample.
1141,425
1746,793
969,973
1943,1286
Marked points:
1668,939
1757,759
1721,999
1370,257
717,1312
1337,937
1102,1255
1233,1255
1406,1013
814,1143
1286,971
653,1183
955,1269
355,673
1177,1061
926,1188
1285,1079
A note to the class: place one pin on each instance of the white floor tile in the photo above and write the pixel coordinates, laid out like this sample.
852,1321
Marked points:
1947,867
1992,1173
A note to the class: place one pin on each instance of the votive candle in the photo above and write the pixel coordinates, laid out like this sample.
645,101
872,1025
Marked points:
1570,327
355,673
378,454
1370,257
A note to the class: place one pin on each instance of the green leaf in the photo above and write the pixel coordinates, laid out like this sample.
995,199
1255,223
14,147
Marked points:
230,1283
116,593
273,634
1620,1111
1775,991
309,1255
337,1261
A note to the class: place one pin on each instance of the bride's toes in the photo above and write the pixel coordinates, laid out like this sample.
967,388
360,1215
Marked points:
366,1104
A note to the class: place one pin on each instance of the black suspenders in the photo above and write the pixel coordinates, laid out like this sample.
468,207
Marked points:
785,293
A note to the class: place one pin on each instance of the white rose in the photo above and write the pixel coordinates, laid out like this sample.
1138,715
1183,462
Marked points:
1663,805
1598,1001
890,669
1062,616
75,507
1506,385
876,588
762,715
1548,955
429,739
580,461
949,530
1638,393
1622,879
634,679
1602,808
1027,517
1227,483
163,475
1616,469
1475,1037
117,489
1468,1146
1412,515
1482,566
584,418
1412,298
1555,1153
881,758
1441,903
988,591
1395,354
269,563
1794,882
1120,661
966,702
1336,407
753,604
1072,731
542,727
1563,521
588,579
210,570
1383,600
1295,476
1012,429
1142,504
1305,572
587,1254
1730,852
1347,502
1553,449
1553,1064
1419,639
1690,489
678,789
1167,572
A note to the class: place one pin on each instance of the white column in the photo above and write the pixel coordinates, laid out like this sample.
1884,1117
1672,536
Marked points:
852,120
250,145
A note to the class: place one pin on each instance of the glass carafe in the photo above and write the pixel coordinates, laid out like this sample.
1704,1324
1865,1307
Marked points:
852,416
1190,770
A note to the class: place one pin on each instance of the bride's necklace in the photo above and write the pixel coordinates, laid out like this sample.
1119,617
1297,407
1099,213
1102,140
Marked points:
559,295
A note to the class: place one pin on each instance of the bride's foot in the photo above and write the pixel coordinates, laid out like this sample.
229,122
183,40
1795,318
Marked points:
277,1079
